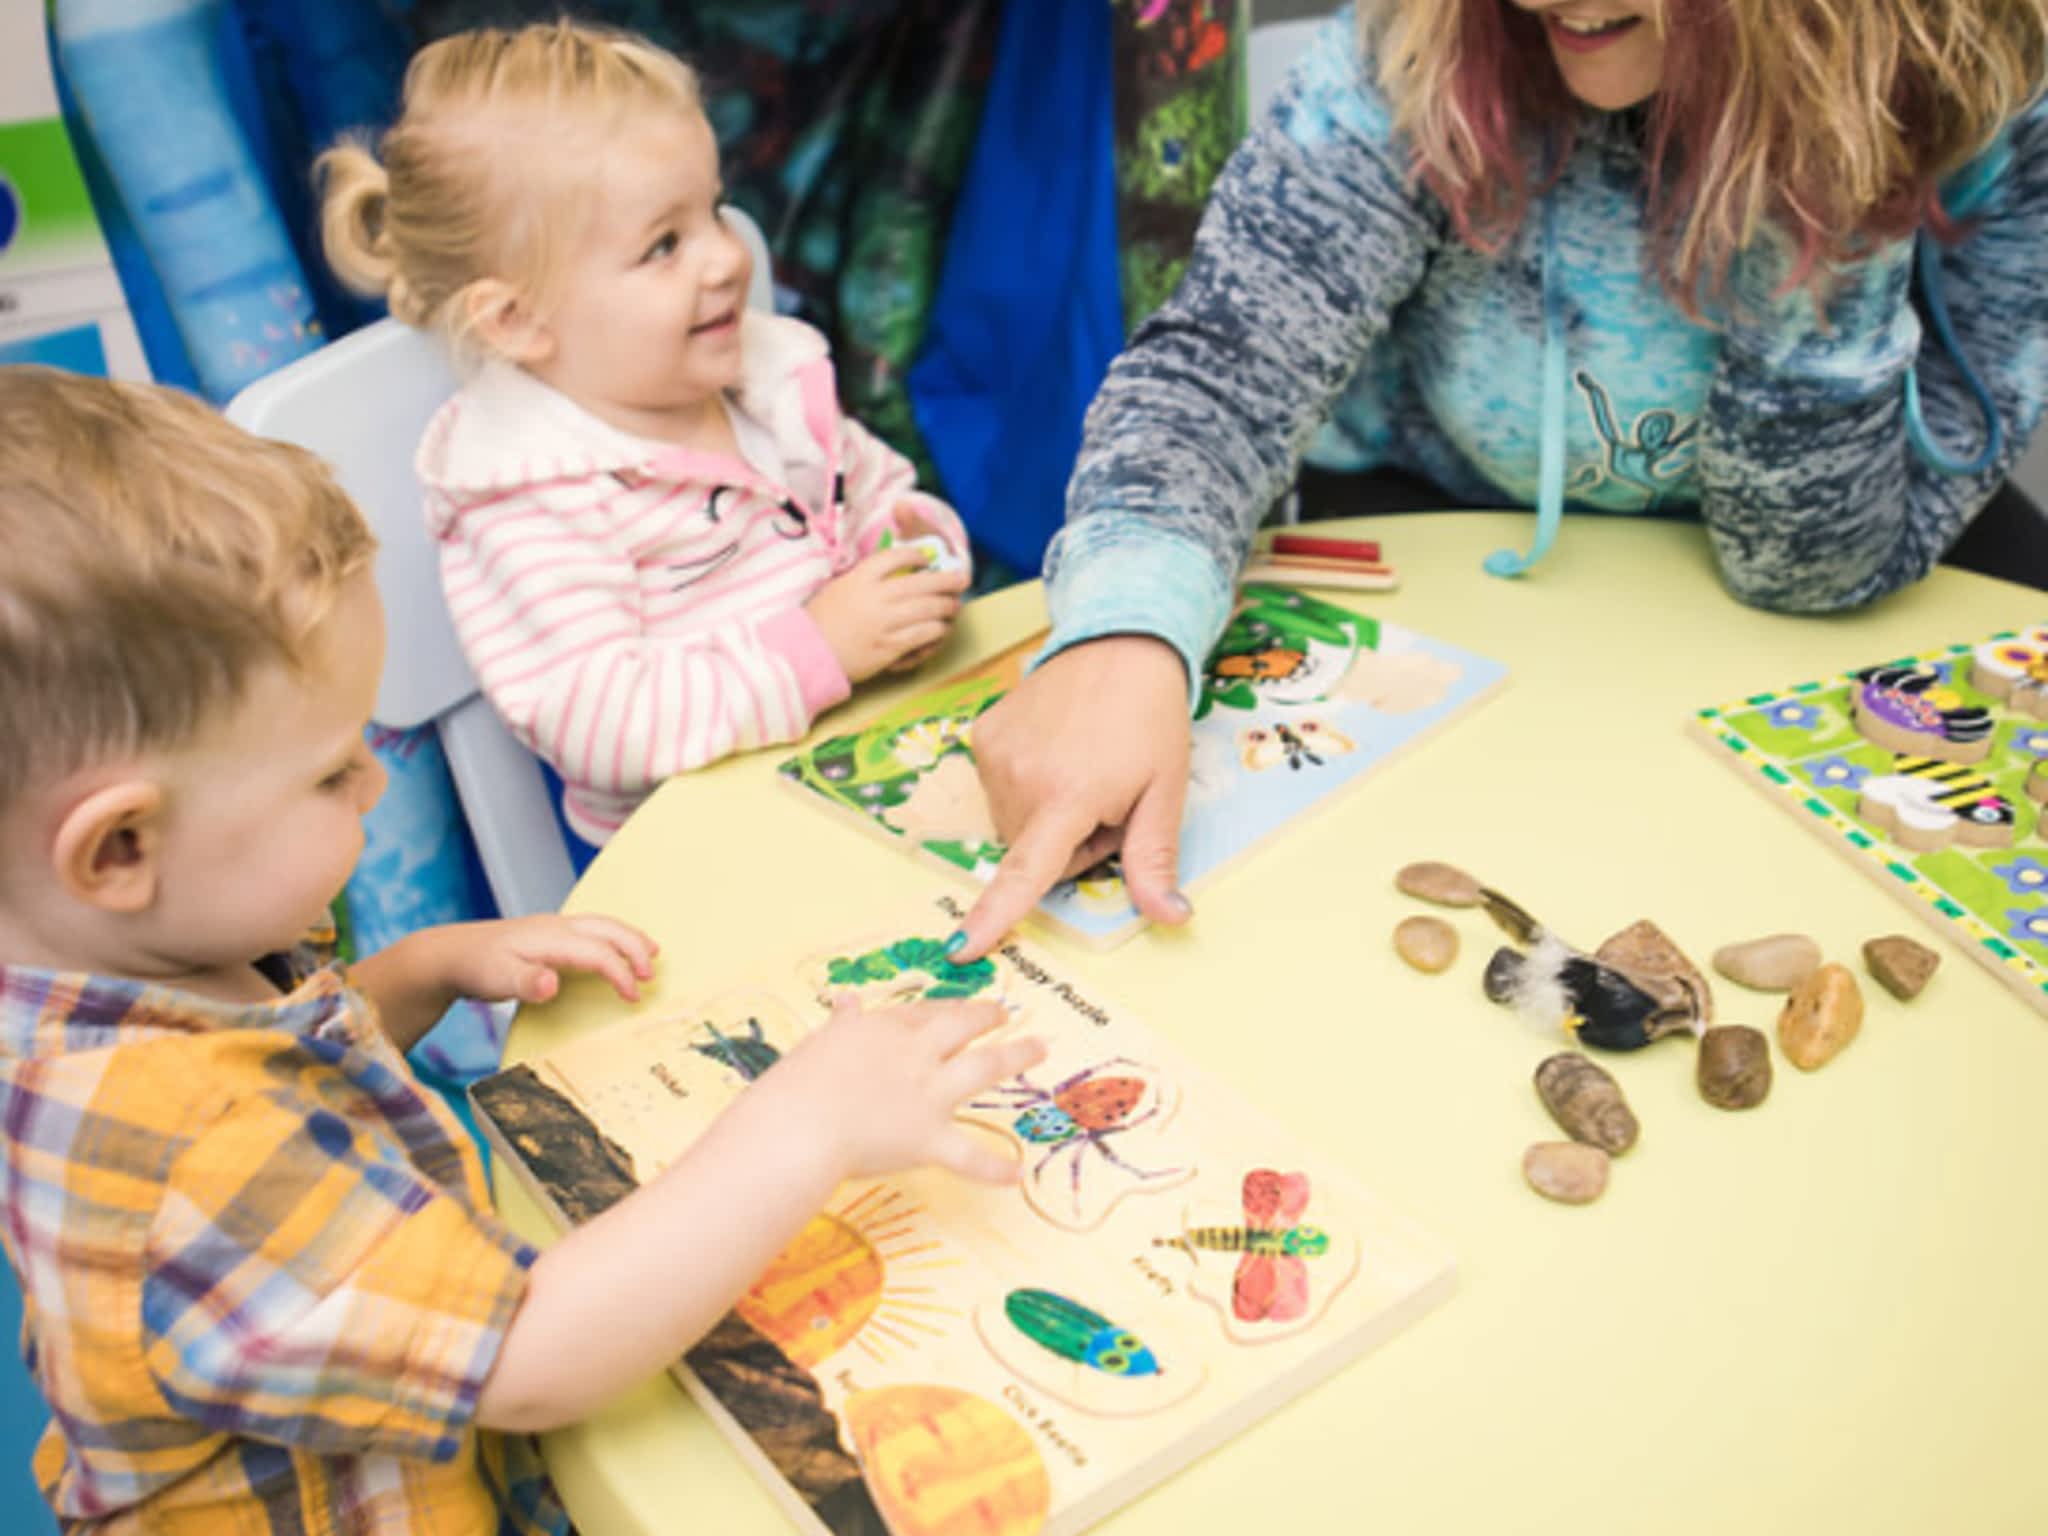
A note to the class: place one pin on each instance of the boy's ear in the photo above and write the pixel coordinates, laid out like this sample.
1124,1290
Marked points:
109,845
502,317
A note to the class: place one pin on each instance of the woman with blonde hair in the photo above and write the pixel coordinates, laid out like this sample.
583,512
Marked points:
1773,262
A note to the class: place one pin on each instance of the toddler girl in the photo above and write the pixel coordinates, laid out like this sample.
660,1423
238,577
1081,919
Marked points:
661,540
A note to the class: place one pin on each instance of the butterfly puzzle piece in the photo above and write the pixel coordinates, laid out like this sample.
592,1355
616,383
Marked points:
1287,1270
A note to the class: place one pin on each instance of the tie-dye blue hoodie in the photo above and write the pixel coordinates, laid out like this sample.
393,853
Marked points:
1328,299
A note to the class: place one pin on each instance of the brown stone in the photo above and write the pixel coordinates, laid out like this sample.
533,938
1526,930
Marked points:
1569,1172
1821,1017
1443,884
1734,1066
1427,943
1586,1101
1645,954
1774,964
1901,965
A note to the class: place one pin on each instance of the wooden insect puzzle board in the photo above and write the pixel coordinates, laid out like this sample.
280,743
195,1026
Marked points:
933,1356
1960,841
1300,698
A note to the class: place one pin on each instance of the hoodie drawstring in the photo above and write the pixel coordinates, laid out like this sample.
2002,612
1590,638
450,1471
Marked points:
1550,457
1962,196
1966,190
1927,256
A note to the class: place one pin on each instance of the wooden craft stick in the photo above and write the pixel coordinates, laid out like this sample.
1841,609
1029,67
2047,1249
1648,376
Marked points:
1342,549
1313,563
1332,575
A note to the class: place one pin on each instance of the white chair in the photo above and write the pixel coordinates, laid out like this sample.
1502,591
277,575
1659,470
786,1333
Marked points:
1270,51
361,404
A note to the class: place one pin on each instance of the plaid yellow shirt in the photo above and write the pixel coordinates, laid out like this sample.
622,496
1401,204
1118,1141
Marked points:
262,1286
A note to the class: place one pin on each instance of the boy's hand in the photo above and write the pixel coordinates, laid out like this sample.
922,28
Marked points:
521,959
417,979
883,1086
866,1094
885,609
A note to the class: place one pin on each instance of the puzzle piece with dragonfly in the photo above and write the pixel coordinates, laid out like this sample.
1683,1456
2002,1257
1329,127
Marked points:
1300,698
1929,773
1169,1266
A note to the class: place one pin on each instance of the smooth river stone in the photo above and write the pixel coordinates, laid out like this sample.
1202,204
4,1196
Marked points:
1821,1017
1901,966
1427,943
1443,884
1569,1172
1584,1099
1776,964
1734,1067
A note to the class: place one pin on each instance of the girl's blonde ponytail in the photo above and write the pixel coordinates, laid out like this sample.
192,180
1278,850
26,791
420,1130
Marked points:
355,193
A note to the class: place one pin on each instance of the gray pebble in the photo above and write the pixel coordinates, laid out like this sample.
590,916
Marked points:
1774,964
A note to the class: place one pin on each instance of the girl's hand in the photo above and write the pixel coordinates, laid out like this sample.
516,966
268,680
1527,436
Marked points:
886,608
880,1088
908,520
1087,755
521,959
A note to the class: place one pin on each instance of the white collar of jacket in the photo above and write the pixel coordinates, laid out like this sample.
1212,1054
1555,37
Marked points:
504,428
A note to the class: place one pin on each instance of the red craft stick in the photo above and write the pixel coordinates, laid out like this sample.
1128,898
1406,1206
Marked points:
1335,549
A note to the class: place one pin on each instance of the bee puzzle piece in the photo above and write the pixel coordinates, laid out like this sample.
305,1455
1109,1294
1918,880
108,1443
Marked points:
1925,803
1598,1004
2015,672
1910,710
1100,887
1304,743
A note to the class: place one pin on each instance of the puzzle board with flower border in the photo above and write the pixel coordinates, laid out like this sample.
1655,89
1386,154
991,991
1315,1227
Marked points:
1930,773
931,1356
1300,699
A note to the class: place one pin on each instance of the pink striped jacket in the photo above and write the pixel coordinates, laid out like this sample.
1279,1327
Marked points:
634,609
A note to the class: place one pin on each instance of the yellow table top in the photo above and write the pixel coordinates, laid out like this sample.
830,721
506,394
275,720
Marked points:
1826,1314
